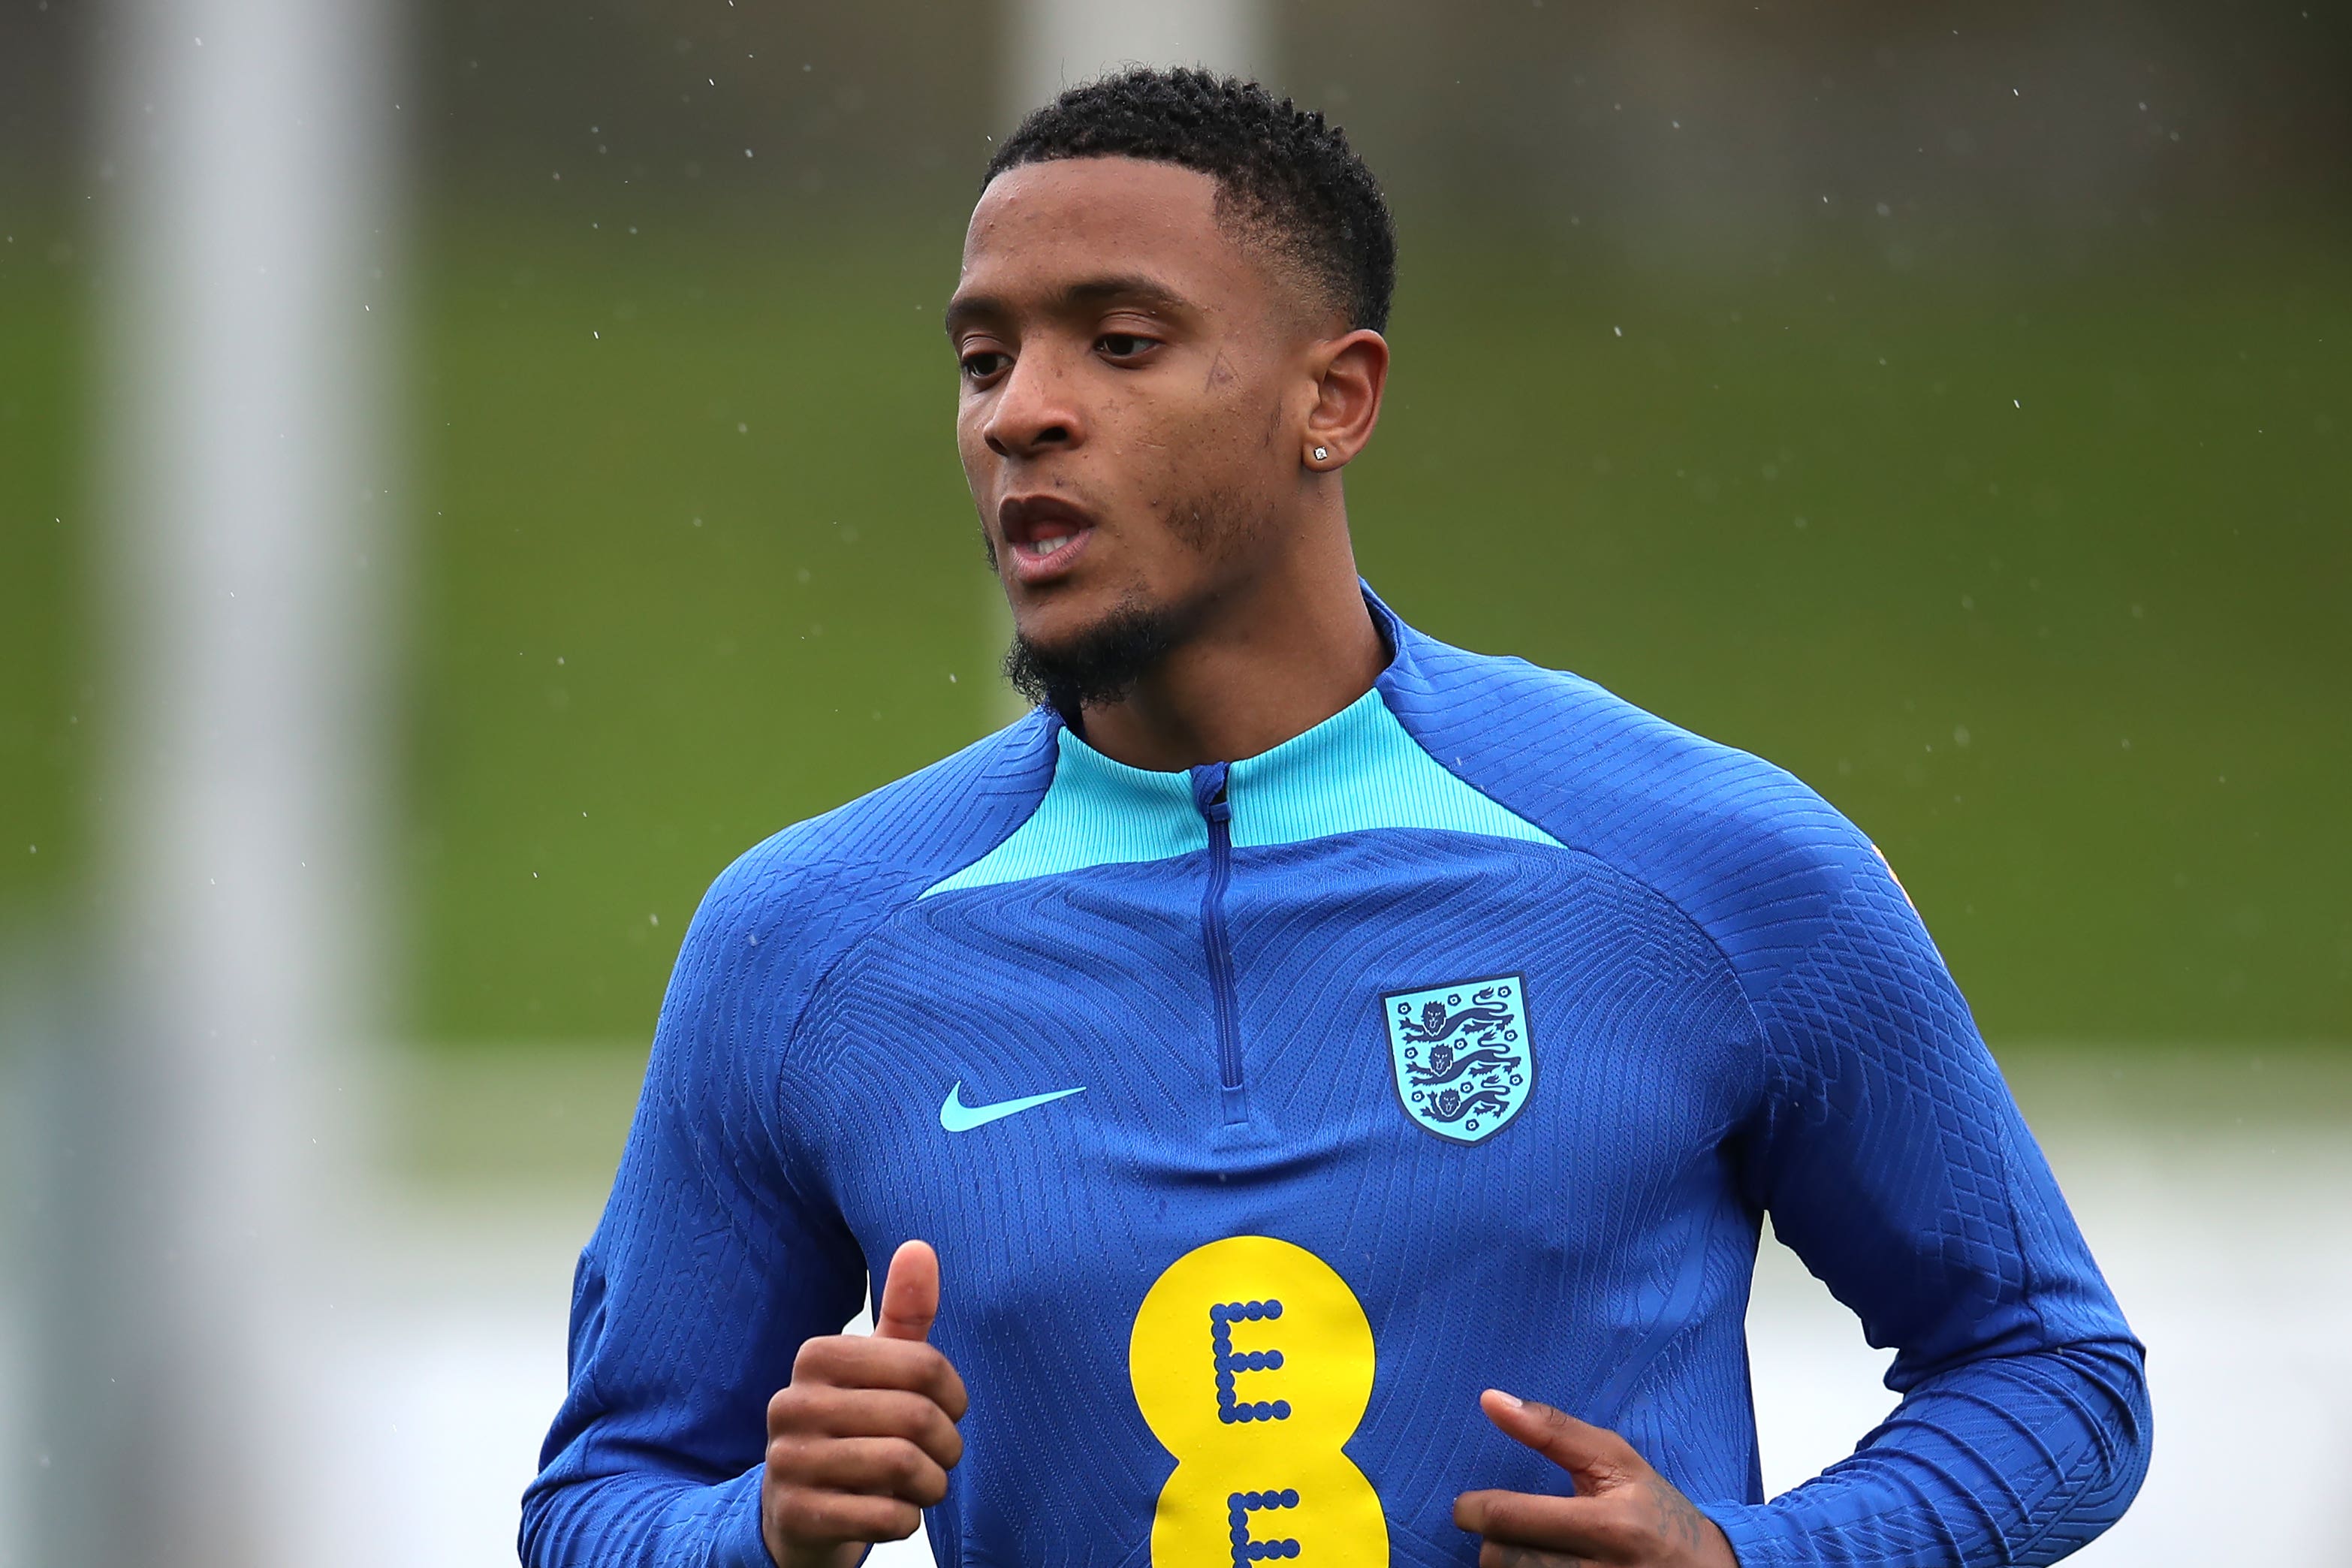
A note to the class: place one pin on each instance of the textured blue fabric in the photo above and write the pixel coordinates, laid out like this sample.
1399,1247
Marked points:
1731,1010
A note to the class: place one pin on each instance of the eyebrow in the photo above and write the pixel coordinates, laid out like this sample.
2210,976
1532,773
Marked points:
1129,288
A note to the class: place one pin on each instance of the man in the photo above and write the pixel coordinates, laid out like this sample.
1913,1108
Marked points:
1298,1047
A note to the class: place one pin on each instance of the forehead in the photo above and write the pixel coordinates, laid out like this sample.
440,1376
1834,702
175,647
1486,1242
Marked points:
1042,226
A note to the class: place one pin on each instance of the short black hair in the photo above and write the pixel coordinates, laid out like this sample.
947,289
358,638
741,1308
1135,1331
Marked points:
1282,171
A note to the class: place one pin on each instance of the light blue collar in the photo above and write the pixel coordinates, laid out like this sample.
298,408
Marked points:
1360,771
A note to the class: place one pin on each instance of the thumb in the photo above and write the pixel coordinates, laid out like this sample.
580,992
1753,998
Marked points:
910,1293
1595,1456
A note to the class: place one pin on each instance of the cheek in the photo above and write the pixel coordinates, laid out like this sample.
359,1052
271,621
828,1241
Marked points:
1222,427
971,446
1237,437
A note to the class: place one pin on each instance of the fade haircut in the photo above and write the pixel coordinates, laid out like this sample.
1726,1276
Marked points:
1285,178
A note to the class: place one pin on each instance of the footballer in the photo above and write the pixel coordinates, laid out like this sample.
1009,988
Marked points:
1305,1092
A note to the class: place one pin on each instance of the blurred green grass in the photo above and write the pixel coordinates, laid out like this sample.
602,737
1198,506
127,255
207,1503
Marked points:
2060,624
43,663
2040,578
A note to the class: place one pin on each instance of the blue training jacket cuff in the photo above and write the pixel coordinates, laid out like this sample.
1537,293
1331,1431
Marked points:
740,1542
1751,1528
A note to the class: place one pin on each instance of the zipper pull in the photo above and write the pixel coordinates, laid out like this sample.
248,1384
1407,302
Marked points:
1209,792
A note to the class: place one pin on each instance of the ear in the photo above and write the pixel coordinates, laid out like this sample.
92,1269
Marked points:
1349,374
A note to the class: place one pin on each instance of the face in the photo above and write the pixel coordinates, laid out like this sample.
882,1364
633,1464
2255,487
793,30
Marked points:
1136,383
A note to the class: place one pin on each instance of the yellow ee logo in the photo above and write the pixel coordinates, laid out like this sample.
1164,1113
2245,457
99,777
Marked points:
1252,1363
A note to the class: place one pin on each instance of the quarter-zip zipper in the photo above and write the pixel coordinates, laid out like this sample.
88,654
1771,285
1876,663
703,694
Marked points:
1209,786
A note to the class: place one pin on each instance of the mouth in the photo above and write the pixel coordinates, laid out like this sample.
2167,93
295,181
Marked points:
1045,533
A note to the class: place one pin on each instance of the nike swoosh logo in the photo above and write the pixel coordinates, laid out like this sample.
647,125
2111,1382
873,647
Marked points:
958,1116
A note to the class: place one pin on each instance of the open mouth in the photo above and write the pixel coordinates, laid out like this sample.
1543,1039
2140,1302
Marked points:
1044,532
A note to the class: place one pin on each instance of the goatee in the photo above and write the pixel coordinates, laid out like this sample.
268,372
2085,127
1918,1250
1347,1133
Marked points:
1098,666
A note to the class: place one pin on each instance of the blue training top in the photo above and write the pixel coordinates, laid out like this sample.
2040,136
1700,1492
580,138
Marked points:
1262,1115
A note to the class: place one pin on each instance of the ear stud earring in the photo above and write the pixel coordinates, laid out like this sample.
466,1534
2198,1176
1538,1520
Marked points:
1321,453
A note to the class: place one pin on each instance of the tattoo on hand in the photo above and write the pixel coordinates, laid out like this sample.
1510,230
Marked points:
1678,1521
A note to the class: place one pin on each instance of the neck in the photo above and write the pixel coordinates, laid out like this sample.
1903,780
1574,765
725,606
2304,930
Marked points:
1273,658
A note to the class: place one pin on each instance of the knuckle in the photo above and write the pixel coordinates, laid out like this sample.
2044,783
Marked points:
800,1410
794,1511
813,1356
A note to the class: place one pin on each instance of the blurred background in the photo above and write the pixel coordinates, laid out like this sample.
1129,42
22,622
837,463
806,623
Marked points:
471,468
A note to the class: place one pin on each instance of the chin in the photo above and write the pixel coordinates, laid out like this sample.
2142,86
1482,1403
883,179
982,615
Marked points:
1064,613
1085,653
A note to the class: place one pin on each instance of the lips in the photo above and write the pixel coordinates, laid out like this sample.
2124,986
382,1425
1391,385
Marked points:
1045,534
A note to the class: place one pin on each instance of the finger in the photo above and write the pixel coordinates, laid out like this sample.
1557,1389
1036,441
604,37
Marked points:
1596,1456
1580,1526
805,1514
875,1467
819,1411
1498,1554
861,1361
910,1293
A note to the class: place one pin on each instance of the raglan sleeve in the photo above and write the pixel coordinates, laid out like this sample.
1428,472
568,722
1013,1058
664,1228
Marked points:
715,1258
1893,1159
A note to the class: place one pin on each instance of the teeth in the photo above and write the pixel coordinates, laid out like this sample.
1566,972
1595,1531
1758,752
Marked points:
1046,546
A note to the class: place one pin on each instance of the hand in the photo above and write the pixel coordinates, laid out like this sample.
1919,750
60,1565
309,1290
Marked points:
1624,1514
863,1439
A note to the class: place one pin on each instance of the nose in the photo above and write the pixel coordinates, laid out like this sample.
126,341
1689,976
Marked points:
1034,411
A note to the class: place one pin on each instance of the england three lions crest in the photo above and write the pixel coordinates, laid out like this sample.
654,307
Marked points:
1464,1060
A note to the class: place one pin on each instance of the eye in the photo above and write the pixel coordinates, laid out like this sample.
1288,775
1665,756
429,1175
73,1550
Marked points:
1126,345
983,364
